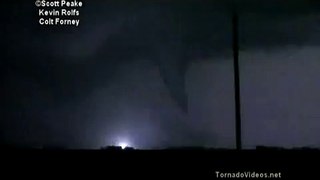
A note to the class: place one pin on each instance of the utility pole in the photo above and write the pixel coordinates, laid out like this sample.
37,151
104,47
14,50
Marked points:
235,45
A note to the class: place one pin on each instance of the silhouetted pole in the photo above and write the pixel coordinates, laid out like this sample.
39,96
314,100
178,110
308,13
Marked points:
236,78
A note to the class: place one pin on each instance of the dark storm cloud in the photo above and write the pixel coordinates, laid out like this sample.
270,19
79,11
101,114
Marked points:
121,74
62,69
273,31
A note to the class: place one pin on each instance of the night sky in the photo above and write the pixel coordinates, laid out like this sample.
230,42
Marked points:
158,74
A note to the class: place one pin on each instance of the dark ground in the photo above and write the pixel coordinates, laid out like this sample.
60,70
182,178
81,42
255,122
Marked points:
176,162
